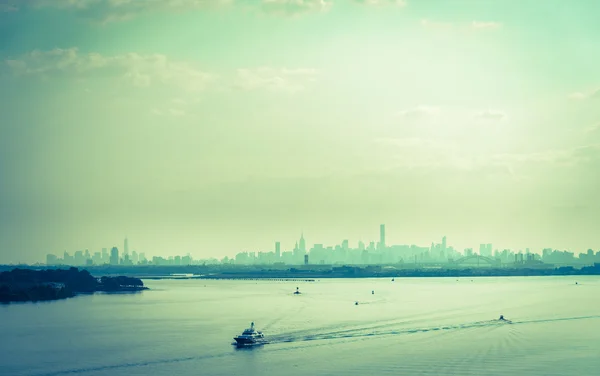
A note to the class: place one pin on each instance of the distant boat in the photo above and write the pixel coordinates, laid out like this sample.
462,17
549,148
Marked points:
297,292
250,337
355,303
373,292
392,279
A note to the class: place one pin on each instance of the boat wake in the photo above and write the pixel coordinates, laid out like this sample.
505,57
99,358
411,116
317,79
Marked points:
304,336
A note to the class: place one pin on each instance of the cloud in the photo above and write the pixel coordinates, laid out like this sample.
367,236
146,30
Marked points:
490,115
436,154
176,112
417,143
474,25
577,96
582,96
282,79
107,11
558,157
419,111
417,152
139,70
592,128
481,25
428,24
294,7
398,3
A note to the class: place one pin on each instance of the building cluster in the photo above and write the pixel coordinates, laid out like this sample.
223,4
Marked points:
374,253
105,257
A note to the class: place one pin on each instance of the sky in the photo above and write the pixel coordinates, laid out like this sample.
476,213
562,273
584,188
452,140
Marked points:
216,126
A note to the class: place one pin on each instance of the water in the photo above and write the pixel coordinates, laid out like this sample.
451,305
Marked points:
421,326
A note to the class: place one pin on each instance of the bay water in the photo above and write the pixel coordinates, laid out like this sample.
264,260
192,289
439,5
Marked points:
411,326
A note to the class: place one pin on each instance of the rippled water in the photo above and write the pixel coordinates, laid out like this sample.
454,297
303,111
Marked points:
421,326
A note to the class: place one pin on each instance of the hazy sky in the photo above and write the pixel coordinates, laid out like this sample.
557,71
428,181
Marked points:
215,126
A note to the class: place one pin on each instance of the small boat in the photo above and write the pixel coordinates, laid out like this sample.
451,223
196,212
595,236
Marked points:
504,320
250,337
297,292
355,303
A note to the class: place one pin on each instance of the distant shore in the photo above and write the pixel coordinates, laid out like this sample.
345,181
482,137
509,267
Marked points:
313,272
28,285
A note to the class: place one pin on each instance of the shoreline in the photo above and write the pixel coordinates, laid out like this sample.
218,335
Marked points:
312,277
28,285
310,273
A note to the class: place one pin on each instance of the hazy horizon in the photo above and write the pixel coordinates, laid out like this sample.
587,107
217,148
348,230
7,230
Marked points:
214,127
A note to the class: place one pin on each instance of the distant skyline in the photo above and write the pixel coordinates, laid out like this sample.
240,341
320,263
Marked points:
213,127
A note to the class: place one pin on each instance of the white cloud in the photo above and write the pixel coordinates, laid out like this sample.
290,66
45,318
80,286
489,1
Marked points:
419,111
417,152
139,70
559,157
293,7
106,11
440,153
592,128
490,115
429,24
398,3
577,96
474,25
582,96
481,25
282,79
176,112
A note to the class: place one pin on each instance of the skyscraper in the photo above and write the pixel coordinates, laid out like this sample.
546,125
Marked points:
302,245
444,244
382,236
485,250
125,247
114,256
277,250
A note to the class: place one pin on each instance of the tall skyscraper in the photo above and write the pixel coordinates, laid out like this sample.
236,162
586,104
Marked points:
444,244
277,250
125,247
382,236
114,256
302,245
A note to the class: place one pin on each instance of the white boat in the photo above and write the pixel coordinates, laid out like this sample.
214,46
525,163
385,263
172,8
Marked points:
250,336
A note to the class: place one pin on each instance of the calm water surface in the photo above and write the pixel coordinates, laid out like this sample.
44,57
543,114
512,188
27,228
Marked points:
424,326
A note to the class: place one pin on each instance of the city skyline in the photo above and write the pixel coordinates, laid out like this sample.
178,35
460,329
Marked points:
474,119
344,252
